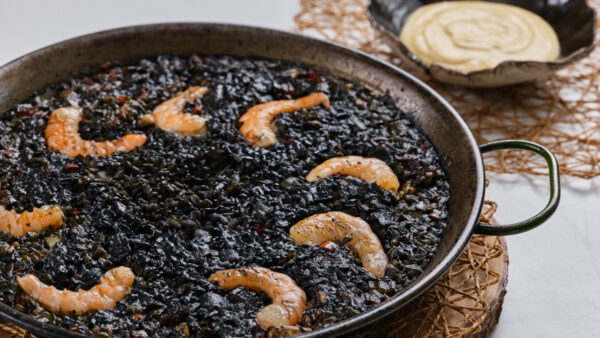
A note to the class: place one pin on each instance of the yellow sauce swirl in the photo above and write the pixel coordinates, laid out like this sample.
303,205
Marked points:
474,35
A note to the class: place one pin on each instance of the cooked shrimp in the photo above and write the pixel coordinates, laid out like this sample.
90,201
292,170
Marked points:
289,301
115,285
336,226
372,170
62,135
18,224
256,122
169,115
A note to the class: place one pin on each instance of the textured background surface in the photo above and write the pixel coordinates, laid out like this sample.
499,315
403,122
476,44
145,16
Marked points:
554,269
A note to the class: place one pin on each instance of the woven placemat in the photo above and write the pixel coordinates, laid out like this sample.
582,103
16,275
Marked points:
9,330
560,112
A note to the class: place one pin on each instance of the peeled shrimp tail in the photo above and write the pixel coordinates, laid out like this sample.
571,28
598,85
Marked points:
115,285
62,135
289,301
169,115
371,170
19,224
336,226
256,122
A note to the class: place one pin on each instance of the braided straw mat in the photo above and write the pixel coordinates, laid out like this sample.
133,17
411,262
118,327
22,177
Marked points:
560,112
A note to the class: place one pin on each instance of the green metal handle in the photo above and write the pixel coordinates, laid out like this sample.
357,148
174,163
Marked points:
542,216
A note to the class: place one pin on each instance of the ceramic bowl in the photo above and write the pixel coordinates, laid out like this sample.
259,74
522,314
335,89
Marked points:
574,21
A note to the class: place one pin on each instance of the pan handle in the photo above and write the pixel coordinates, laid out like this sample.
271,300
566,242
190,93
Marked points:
542,216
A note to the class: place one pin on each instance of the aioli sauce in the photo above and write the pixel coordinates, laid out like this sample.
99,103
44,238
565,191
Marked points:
474,35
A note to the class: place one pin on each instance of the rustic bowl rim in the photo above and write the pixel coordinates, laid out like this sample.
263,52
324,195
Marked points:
555,65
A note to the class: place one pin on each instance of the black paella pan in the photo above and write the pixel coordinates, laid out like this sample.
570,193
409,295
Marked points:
461,156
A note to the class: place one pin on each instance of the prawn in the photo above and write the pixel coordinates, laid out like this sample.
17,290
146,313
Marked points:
169,115
372,170
256,122
336,226
114,286
18,224
289,301
62,135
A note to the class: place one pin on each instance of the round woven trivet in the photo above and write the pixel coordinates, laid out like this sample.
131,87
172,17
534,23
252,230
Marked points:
465,302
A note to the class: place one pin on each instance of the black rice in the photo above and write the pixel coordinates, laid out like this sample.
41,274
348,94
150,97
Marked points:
180,208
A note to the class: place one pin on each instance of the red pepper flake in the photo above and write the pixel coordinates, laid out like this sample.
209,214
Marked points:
395,125
314,76
115,123
340,148
289,141
260,228
137,316
75,212
196,58
71,168
122,99
28,111
434,217
88,80
328,245
142,94
113,72
196,110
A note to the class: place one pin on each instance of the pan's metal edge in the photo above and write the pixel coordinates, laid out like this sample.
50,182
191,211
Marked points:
350,324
